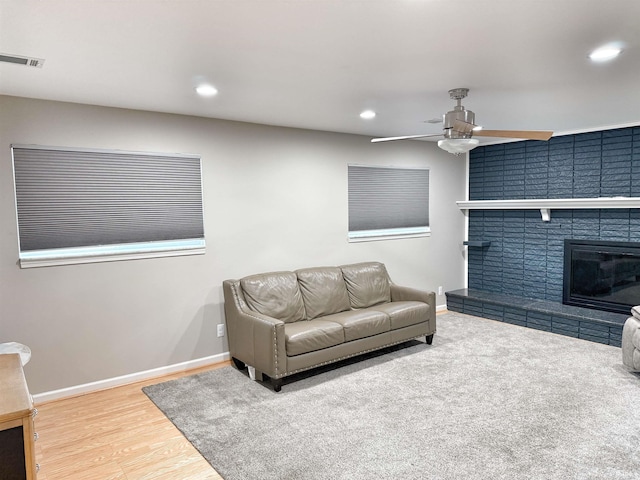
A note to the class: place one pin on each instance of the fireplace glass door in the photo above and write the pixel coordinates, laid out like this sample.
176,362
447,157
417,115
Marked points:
602,275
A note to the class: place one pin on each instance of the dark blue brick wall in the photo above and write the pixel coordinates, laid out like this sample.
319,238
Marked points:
526,254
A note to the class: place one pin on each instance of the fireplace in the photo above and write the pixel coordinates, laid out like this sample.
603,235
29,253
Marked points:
601,275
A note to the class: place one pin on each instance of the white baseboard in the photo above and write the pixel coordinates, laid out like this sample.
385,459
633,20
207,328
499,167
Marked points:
139,376
130,378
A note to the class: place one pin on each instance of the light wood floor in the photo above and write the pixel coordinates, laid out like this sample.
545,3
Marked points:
115,434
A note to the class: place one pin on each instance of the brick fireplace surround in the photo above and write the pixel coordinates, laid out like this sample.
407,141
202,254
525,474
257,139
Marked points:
515,259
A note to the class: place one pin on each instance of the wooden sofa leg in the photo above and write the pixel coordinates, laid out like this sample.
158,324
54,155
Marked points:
429,339
277,384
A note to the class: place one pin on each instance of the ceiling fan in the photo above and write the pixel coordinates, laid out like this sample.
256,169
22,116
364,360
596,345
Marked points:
459,129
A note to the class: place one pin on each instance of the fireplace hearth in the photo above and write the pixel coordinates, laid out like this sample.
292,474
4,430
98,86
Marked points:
601,275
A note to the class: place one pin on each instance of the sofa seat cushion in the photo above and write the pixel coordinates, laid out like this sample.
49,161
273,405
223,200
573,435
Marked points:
367,283
274,294
323,291
403,314
361,323
310,335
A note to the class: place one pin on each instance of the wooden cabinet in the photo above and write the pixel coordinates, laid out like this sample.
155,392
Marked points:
17,436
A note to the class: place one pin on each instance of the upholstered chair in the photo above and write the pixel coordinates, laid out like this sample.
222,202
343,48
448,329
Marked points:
631,341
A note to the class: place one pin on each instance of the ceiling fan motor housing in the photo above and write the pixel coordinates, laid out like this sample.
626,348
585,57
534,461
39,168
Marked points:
458,113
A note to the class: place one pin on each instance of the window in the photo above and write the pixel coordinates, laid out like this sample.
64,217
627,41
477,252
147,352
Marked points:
80,206
388,202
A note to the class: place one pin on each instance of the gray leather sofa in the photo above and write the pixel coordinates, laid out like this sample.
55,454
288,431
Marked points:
281,323
631,341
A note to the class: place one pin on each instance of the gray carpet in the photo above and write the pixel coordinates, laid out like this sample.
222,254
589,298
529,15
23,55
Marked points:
487,400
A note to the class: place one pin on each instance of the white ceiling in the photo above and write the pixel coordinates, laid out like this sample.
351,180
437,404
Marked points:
318,63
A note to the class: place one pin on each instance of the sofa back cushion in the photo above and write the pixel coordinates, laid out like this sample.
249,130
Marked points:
367,284
323,291
274,294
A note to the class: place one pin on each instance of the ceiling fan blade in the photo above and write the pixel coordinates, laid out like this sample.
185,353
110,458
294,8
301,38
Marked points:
406,137
469,128
524,134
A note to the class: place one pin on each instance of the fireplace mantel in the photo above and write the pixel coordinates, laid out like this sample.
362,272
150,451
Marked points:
545,205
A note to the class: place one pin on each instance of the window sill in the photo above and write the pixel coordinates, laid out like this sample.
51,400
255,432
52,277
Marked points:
388,234
110,253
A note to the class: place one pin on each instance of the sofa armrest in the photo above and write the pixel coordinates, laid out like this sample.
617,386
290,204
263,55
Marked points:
255,339
403,294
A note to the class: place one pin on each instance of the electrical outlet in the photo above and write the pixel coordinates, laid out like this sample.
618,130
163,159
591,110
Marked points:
221,330
440,290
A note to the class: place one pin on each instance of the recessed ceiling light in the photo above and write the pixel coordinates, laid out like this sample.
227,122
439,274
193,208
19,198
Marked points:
206,90
368,114
606,52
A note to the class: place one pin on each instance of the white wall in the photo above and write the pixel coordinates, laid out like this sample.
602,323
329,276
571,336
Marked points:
275,199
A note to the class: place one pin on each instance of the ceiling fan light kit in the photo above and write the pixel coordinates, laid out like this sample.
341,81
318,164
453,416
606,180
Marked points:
458,146
459,128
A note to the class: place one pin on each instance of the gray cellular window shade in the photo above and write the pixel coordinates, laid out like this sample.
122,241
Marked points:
388,201
72,199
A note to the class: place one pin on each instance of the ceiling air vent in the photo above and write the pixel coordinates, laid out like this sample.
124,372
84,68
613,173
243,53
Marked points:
18,60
